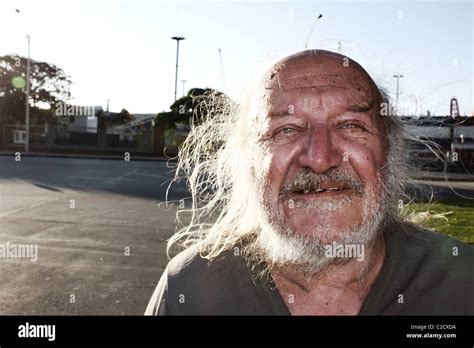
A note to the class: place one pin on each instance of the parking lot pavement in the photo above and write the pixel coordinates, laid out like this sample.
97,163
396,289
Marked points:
99,226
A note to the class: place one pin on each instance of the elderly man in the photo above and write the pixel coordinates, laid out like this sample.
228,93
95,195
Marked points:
302,186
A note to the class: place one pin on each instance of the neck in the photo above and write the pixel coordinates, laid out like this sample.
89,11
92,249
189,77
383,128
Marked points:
347,276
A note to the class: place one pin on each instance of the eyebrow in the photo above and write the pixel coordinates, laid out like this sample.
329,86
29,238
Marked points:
279,114
360,108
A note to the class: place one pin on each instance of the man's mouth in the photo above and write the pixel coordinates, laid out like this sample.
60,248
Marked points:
307,185
328,190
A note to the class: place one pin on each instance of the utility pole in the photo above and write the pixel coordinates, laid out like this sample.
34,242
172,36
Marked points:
27,104
178,39
398,77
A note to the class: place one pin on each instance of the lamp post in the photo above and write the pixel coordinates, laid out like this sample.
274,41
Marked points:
27,106
27,103
312,28
398,77
178,39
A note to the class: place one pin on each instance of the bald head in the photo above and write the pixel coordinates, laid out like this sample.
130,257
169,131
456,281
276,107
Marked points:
322,71
318,68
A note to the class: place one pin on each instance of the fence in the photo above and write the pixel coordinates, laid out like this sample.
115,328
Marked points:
124,139
454,143
51,138
15,136
451,148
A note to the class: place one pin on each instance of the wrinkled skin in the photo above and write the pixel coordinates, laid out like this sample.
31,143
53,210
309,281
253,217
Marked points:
321,113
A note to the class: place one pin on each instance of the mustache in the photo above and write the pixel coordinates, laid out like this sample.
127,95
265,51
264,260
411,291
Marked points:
307,179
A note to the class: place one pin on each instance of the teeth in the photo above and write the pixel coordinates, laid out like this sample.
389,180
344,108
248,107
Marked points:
331,189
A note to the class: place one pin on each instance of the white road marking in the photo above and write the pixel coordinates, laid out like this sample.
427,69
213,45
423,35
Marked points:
31,206
96,178
122,176
87,177
153,175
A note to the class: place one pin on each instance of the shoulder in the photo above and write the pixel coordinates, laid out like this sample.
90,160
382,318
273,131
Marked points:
430,268
192,284
190,265
428,243
414,245
185,261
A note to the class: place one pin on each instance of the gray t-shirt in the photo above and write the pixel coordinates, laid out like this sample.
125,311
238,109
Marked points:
434,275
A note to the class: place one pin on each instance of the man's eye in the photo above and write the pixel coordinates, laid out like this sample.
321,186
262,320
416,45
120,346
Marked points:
285,134
288,130
354,126
351,125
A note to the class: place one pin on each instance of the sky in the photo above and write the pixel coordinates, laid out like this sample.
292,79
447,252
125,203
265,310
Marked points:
122,51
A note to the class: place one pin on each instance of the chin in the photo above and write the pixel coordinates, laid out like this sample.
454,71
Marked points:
319,225
324,232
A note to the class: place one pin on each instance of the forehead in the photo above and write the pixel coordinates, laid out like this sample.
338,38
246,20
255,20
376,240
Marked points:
310,79
308,98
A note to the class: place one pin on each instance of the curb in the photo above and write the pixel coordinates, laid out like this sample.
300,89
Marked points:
86,156
448,178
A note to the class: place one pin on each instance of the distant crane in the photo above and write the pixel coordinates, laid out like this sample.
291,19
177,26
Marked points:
335,43
340,42
454,108
398,77
221,67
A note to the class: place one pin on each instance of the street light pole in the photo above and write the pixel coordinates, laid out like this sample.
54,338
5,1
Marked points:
398,77
312,28
183,81
178,39
27,103
27,106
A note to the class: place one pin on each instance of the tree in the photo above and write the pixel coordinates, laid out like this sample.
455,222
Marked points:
49,84
194,107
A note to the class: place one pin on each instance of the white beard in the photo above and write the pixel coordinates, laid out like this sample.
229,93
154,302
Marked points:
283,247
279,246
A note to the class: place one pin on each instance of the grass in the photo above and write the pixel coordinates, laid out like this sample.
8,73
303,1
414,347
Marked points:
453,219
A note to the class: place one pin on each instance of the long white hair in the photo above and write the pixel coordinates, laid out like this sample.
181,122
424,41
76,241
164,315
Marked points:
216,158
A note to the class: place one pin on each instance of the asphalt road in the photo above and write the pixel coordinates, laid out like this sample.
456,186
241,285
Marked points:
443,191
100,227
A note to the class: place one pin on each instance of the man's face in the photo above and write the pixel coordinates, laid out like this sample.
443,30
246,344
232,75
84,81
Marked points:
323,146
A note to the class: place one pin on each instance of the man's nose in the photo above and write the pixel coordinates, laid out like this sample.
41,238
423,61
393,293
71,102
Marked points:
320,153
